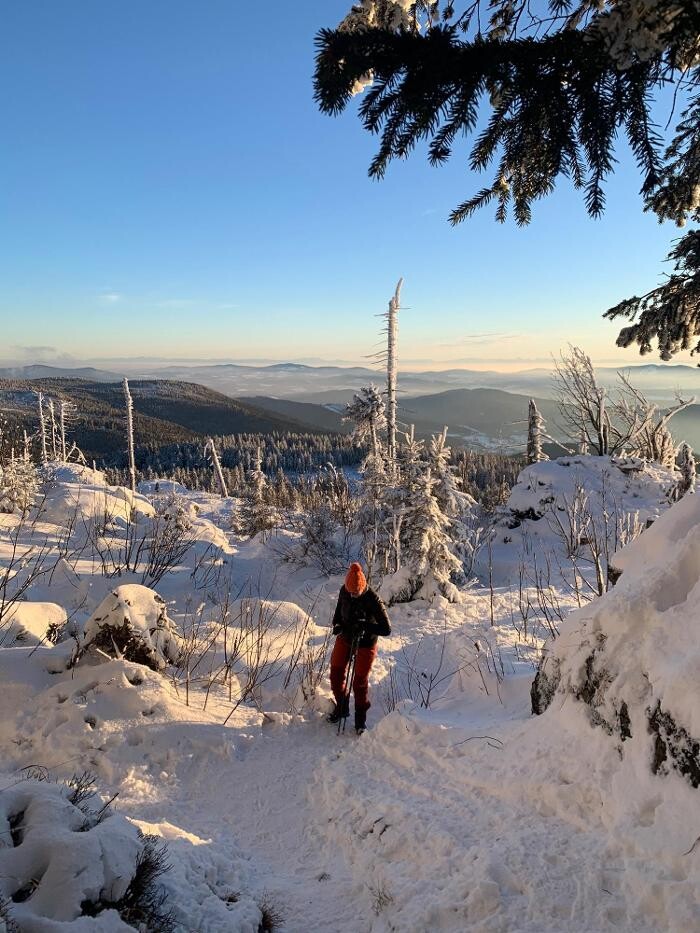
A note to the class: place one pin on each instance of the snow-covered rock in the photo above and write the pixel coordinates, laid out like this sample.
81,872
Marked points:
559,507
632,658
630,485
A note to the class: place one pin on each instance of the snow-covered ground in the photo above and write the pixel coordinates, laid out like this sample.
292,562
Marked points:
457,810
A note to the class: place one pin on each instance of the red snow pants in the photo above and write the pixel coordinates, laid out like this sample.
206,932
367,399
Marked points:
340,658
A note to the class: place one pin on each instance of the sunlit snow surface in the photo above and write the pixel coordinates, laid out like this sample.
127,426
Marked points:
469,815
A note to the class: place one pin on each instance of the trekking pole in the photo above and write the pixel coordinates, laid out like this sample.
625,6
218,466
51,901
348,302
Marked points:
348,683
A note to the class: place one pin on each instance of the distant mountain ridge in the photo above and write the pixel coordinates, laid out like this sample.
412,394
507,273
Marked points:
332,384
486,419
173,411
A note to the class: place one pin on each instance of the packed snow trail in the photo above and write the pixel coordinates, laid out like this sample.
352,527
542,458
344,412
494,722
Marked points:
479,818
262,802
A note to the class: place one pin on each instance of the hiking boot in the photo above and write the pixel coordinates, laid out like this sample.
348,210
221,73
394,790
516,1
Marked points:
360,721
339,711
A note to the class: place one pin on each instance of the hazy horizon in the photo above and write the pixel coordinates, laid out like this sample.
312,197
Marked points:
135,363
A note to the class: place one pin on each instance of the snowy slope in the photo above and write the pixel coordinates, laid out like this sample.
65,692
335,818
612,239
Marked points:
457,811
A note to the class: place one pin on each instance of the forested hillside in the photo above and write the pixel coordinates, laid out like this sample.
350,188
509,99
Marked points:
164,413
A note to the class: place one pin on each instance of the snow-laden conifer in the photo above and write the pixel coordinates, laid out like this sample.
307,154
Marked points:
255,513
453,501
428,551
462,511
257,478
19,484
367,412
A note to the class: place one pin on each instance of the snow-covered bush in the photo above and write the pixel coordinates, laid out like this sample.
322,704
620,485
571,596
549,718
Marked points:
64,855
631,658
31,623
132,622
78,495
321,543
268,653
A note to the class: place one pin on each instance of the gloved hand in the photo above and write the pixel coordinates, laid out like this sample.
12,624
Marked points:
358,626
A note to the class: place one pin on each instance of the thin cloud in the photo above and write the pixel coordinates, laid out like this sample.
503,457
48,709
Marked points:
39,354
110,297
485,338
35,351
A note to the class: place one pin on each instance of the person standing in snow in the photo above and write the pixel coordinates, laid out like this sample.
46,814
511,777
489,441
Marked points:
359,613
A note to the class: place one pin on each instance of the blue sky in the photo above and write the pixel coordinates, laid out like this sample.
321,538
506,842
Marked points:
169,189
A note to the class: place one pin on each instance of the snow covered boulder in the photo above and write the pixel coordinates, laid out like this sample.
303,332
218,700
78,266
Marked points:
132,622
573,512
64,856
630,485
631,658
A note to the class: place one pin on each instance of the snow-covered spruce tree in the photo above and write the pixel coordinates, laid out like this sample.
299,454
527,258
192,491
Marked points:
428,551
130,434
536,433
367,412
418,554
257,478
210,450
255,514
393,502
557,84
19,485
465,520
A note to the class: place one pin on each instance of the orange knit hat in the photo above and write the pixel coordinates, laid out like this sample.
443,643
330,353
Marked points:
355,581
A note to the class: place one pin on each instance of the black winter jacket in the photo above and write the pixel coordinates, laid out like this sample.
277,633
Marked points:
366,612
